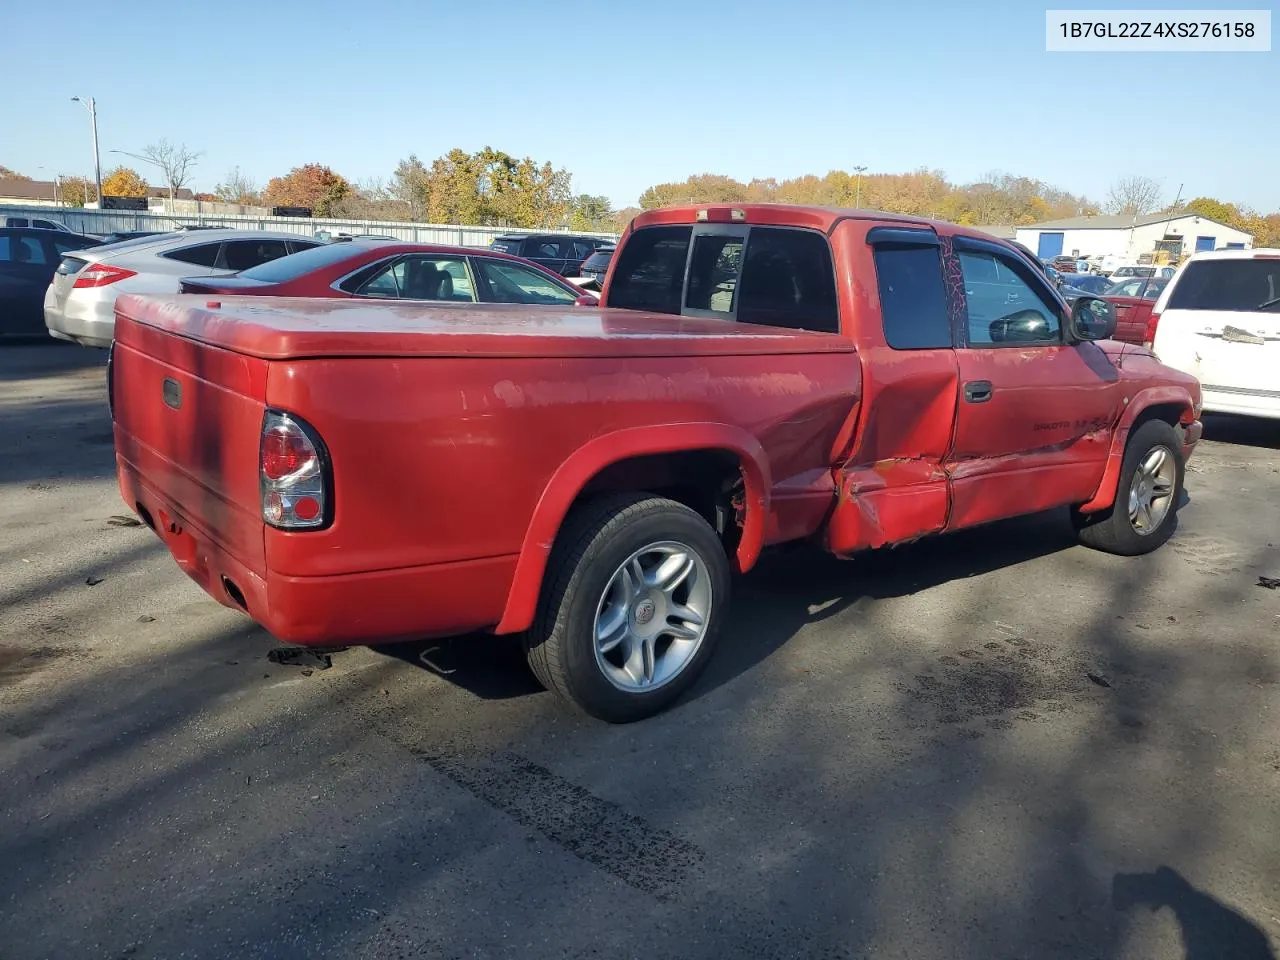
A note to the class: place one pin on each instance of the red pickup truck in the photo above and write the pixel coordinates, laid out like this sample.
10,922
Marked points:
348,471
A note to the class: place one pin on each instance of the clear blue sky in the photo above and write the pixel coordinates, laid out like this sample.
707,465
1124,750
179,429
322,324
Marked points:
629,93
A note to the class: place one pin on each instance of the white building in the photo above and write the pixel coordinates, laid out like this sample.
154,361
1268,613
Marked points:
1129,238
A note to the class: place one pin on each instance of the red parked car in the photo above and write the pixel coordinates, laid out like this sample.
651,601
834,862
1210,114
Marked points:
389,270
1133,299
590,479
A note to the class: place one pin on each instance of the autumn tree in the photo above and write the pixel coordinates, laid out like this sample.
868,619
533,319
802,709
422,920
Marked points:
238,188
1134,195
410,184
699,188
622,218
1212,209
370,200
124,182
311,185
591,214
7,174
488,187
174,160
77,191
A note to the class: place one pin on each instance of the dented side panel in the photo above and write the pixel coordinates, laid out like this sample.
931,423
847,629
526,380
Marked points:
891,481
1041,439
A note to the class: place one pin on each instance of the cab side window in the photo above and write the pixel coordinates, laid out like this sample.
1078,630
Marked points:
1004,309
913,300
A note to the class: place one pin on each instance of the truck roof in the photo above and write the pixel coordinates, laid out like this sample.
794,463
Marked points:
792,215
280,328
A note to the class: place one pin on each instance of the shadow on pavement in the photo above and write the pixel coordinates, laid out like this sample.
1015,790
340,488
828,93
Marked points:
791,587
1210,929
1242,431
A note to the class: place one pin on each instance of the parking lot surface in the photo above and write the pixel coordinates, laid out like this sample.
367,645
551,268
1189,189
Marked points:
994,744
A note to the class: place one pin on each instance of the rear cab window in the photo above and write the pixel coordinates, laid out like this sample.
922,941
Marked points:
1239,285
773,276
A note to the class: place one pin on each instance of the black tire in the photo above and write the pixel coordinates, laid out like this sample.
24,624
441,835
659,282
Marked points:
596,540
1111,530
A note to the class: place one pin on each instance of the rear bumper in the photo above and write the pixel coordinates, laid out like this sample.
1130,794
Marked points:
87,320
1190,437
368,607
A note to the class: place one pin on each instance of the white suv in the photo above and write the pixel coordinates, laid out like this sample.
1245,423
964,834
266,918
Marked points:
1219,320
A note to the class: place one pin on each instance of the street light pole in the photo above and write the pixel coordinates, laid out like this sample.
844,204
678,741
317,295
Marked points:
91,105
857,195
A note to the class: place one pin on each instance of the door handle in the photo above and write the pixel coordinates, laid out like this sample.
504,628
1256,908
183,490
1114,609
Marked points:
977,391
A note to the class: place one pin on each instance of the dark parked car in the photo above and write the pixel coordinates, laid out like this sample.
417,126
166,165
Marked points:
560,252
596,266
397,270
28,258
1090,283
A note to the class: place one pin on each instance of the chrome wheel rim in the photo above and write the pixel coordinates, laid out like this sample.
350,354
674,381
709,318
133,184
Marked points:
1151,492
652,617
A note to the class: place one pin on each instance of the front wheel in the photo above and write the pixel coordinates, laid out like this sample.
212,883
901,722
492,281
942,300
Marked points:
1144,514
635,594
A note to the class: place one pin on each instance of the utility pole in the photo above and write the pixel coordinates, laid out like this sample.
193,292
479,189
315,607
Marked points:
1169,219
91,105
857,190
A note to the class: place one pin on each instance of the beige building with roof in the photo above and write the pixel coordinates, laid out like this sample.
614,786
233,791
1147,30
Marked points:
1130,238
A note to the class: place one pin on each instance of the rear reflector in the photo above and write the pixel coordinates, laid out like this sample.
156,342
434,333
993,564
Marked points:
294,474
101,274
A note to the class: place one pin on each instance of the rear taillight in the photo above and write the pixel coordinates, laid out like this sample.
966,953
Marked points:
69,266
101,274
294,474
1149,337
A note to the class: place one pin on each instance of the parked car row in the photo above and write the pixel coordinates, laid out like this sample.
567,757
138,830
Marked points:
65,285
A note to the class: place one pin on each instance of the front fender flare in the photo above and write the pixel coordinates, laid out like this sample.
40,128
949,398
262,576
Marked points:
1105,494
588,460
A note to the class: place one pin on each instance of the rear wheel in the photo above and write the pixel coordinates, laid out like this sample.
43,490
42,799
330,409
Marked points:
636,591
1150,485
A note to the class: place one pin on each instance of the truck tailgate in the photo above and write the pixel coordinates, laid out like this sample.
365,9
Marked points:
188,422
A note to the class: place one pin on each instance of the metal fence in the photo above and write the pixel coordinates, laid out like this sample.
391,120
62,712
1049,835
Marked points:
102,222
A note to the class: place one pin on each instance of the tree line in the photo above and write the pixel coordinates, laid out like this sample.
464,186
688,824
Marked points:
490,187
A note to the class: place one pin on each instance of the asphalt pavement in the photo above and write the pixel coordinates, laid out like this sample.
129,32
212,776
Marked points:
991,745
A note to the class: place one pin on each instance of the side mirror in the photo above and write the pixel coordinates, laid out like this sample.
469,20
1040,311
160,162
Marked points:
586,300
1092,318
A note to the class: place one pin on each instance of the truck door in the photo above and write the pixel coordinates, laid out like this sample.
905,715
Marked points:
892,486
1035,413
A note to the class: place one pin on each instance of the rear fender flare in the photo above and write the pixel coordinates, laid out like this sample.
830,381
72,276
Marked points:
588,460
1105,494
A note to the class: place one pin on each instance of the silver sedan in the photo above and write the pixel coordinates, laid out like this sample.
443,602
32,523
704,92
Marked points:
80,303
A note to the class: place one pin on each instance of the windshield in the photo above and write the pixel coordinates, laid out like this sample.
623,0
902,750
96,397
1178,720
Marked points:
1236,285
297,264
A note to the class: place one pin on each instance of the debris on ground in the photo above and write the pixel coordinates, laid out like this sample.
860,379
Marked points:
122,521
317,658
145,618
1271,583
1099,679
93,581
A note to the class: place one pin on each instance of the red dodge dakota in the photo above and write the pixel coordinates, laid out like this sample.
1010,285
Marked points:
349,471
